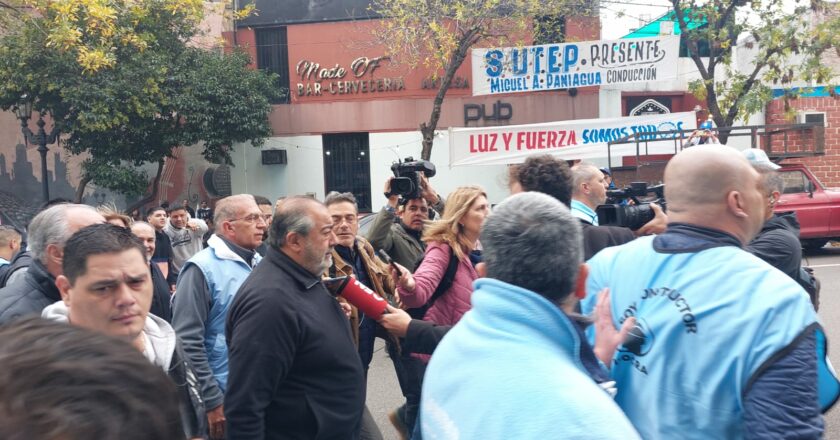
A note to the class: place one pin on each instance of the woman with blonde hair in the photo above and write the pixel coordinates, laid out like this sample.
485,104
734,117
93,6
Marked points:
455,235
439,299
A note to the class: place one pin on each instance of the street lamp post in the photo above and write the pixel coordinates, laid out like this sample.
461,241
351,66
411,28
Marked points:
41,138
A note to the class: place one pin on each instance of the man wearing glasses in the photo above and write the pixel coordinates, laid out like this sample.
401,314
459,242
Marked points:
206,287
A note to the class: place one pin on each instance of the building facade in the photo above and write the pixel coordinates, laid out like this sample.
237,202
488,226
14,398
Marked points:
353,110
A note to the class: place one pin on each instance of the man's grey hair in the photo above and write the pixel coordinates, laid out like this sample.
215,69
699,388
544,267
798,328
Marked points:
51,226
771,179
532,241
141,223
228,209
291,215
336,197
582,173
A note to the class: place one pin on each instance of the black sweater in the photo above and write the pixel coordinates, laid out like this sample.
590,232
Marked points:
294,371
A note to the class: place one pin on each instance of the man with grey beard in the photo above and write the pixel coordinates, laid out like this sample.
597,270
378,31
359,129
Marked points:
293,368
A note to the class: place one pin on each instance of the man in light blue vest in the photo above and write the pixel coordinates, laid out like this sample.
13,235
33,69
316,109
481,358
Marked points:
206,287
724,346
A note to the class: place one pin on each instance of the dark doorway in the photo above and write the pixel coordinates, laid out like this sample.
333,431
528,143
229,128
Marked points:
347,166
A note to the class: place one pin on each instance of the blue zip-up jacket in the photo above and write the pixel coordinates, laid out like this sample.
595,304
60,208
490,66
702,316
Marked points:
511,369
724,345
199,312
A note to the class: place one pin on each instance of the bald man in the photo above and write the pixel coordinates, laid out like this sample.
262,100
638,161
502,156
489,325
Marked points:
724,345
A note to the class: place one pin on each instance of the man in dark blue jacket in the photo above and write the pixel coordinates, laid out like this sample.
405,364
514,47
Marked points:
778,241
293,368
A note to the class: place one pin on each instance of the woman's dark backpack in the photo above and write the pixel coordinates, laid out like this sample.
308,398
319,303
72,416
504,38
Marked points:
443,286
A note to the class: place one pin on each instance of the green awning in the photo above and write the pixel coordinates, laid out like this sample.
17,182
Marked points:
652,29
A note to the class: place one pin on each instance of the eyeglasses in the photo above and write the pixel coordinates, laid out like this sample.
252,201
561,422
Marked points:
251,218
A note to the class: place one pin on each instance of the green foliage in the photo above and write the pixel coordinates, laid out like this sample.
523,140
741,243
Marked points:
439,34
153,97
790,39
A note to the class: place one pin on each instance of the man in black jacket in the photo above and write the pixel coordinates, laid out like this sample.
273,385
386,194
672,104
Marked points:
778,242
293,368
588,191
48,232
162,298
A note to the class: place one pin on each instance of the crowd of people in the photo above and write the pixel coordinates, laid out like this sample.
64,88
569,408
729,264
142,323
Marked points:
527,320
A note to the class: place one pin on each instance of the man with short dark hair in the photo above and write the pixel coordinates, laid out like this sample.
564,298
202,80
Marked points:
163,245
267,209
48,233
106,287
543,173
354,256
204,212
206,288
513,367
294,372
398,228
724,345
186,235
186,205
60,382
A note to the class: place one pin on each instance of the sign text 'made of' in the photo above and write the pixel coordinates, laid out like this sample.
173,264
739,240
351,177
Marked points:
561,66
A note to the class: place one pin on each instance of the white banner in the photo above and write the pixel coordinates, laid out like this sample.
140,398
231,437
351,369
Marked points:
566,65
584,139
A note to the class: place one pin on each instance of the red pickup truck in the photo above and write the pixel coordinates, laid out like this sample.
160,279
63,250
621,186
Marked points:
816,207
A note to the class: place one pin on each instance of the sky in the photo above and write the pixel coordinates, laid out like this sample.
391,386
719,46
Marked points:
620,17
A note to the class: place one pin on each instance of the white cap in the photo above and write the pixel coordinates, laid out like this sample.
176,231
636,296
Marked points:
759,157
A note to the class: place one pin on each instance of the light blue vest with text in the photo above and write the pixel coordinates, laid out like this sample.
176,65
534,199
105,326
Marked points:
706,322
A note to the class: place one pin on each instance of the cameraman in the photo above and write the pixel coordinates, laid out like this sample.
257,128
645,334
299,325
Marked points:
399,225
589,189
398,229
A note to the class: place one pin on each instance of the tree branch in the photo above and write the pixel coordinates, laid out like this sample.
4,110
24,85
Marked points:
151,197
748,84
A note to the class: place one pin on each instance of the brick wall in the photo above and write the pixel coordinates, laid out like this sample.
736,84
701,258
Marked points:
827,167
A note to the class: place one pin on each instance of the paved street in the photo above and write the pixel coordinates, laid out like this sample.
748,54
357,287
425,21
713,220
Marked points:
384,392
826,264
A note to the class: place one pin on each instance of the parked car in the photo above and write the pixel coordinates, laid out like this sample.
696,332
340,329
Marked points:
816,207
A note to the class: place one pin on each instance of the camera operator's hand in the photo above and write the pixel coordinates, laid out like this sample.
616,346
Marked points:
393,198
655,226
404,279
428,192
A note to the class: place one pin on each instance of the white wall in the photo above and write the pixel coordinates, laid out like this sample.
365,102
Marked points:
303,173
305,169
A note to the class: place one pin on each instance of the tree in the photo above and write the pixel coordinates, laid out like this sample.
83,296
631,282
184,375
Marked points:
790,42
212,99
440,33
149,97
